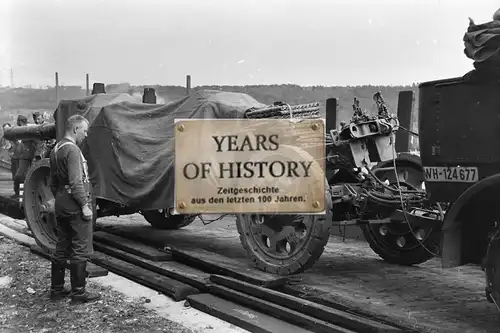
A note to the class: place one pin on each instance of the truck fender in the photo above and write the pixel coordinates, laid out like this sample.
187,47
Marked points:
406,158
456,218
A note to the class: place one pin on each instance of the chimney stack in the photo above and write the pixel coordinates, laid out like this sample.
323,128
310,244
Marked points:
98,88
149,96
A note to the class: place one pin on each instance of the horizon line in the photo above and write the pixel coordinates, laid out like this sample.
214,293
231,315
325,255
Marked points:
43,87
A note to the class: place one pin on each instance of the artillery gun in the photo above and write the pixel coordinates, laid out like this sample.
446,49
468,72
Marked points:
387,201
370,186
38,201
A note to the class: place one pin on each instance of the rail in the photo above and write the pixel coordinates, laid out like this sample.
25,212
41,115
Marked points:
222,287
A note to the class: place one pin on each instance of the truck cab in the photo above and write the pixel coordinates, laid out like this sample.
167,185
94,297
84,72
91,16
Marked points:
459,132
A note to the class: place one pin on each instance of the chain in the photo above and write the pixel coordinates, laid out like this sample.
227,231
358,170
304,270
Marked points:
207,221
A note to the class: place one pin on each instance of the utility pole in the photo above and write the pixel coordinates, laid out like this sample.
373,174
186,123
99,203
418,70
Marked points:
188,84
12,78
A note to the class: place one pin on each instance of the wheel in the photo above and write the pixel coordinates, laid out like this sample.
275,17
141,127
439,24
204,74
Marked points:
37,195
491,268
285,244
38,203
160,220
401,243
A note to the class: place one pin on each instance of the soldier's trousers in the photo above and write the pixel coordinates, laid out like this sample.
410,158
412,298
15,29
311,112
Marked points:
74,239
14,165
22,169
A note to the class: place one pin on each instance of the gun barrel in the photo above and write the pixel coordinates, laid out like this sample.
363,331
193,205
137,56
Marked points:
45,131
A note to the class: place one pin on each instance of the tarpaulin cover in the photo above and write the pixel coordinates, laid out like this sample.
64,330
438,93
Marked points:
130,146
88,107
482,44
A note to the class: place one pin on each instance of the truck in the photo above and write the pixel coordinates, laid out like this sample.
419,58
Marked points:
459,122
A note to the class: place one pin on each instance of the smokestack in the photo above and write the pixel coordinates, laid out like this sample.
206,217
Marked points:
149,96
87,84
98,88
188,84
331,114
57,89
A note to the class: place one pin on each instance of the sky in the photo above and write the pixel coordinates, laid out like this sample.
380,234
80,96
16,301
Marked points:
236,42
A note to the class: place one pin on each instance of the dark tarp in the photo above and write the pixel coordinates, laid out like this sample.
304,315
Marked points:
88,107
130,146
482,44
82,105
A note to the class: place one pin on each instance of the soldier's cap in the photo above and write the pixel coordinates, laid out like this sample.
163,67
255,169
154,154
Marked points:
22,119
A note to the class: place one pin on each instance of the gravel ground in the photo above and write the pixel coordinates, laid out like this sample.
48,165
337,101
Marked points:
25,306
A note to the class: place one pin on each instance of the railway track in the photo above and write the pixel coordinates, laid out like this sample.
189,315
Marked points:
424,298
225,288
350,278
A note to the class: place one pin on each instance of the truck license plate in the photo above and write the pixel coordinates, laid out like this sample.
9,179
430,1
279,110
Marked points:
451,174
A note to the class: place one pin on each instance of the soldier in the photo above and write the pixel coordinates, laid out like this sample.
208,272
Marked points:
72,191
38,118
7,144
11,147
22,156
26,153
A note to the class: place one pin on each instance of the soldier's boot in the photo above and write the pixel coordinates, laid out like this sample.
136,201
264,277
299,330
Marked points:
78,282
57,290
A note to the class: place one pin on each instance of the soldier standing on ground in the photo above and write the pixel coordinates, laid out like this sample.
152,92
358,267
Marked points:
72,191
27,151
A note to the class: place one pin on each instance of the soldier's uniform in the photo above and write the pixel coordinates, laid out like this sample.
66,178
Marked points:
72,190
17,154
26,155
13,150
6,145
17,150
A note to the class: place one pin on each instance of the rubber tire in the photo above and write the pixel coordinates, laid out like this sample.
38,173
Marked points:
46,243
302,261
159,221
416,256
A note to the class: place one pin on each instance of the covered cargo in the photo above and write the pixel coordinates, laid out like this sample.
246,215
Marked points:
88,107
130,145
